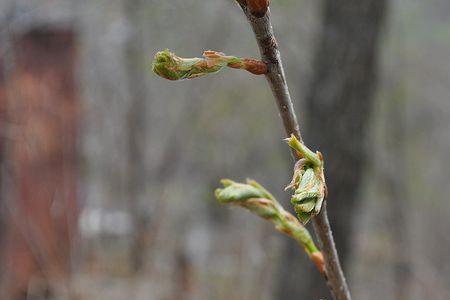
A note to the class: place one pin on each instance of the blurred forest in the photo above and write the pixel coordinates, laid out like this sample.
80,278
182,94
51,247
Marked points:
107,171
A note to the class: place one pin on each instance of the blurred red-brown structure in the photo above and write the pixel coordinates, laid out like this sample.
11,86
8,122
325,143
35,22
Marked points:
38,106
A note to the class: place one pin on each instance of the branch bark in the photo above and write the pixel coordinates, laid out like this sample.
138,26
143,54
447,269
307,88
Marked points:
270,54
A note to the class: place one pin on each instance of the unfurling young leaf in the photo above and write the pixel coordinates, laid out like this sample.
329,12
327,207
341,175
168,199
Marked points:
309,195
308,182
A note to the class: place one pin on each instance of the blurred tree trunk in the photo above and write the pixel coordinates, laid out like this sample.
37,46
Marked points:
2,150
395,186
338,108
136,132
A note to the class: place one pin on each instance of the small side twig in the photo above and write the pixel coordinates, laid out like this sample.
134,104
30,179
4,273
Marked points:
172,67
255,198
270,54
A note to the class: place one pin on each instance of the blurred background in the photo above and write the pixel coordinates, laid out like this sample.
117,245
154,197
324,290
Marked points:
108,171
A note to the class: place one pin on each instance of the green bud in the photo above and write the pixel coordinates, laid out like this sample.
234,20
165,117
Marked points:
308,195
250,195
237,192
308,181
167,65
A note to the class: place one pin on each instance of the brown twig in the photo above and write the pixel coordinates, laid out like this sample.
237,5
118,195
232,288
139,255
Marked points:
270,54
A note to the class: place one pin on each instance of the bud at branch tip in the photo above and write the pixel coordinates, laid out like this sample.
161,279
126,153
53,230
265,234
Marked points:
258,8
170,66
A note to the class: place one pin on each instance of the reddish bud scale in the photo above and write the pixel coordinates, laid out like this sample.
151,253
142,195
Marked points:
258,8
253,66
317,258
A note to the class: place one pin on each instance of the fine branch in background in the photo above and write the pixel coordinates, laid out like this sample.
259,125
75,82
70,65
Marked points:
308,180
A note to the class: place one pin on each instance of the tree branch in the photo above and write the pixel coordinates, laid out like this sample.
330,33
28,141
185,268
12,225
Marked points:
270,54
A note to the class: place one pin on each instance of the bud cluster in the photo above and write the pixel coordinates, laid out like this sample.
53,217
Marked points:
308,181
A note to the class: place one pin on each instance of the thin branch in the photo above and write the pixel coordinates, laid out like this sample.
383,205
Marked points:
268,48
335,276
270,54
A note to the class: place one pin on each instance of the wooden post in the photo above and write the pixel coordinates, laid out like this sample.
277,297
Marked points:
41,127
